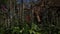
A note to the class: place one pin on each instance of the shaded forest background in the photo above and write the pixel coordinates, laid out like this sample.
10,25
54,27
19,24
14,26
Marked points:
20,17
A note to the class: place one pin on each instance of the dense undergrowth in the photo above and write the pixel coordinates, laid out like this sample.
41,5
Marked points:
26,29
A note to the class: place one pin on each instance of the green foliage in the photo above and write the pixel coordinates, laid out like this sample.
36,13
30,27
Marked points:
24,30
2,31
